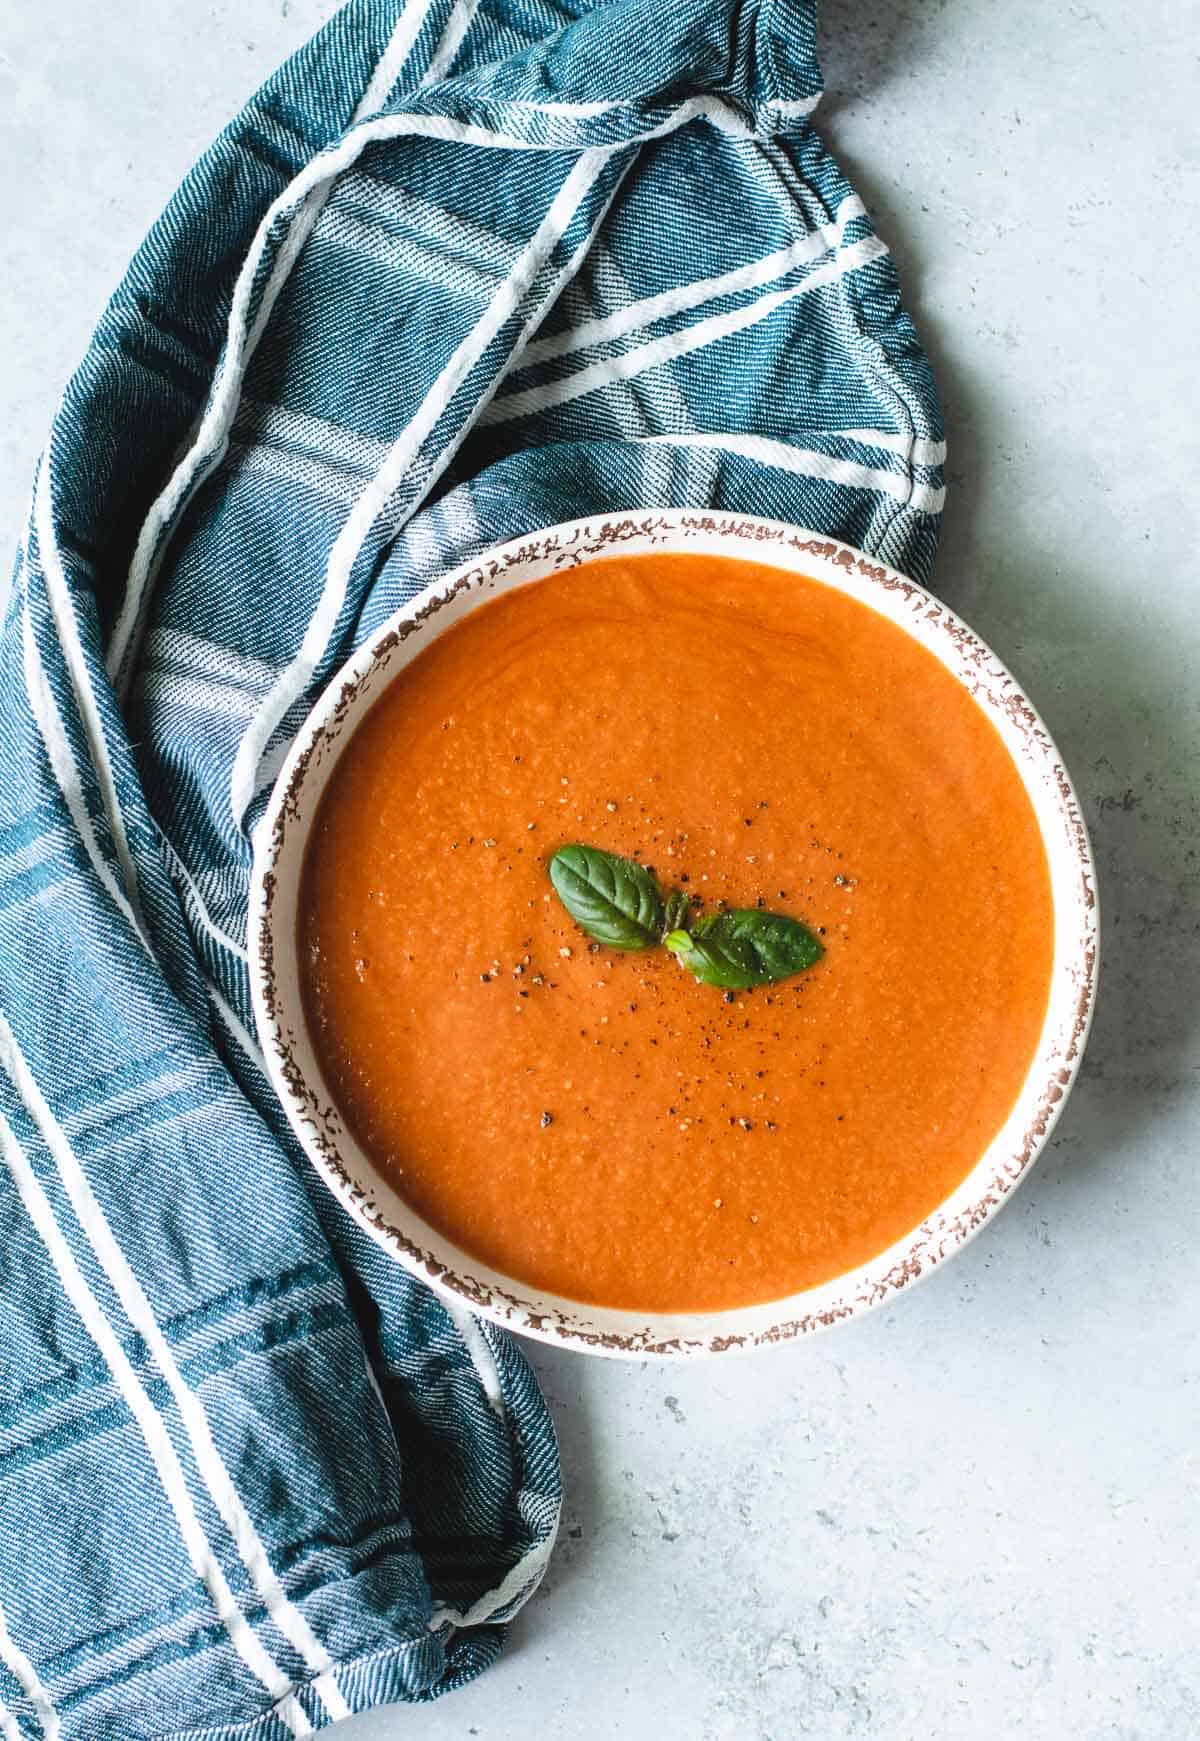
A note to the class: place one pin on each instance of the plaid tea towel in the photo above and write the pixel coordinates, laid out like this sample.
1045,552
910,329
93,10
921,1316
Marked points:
462,268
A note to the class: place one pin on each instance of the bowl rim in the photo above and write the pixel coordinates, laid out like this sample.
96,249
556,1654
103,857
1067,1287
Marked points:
464,1282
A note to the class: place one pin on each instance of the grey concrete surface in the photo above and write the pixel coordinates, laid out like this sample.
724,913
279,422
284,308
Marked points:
974,1515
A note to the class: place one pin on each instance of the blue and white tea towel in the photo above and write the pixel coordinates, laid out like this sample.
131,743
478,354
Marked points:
462,268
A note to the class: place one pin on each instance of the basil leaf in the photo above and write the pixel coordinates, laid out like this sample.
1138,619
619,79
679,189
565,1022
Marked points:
745,947
616,900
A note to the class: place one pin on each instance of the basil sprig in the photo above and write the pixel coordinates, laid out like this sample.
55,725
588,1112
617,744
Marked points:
619,902
745,946
615,900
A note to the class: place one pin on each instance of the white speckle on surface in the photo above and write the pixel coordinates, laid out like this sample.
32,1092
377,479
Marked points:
970,1517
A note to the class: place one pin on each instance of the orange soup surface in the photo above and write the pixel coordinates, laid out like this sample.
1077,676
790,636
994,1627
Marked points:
598,1124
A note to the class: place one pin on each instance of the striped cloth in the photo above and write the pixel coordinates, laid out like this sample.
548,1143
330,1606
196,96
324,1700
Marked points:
461,269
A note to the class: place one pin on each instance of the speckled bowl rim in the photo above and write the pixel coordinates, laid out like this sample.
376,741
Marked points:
310,1107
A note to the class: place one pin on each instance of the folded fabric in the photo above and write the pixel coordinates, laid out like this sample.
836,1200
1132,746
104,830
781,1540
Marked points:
458,271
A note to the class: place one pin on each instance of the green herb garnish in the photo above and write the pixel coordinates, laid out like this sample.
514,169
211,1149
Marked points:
745,946
615,900
619,903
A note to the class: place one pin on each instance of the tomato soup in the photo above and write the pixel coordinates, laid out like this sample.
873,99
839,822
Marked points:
598,1124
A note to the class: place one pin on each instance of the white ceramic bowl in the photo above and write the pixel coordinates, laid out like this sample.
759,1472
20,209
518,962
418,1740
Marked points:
292,1061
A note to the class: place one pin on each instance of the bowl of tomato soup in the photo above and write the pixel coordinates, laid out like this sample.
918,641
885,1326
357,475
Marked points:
585,1141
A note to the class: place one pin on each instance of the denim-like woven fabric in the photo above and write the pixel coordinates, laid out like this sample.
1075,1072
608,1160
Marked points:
456,272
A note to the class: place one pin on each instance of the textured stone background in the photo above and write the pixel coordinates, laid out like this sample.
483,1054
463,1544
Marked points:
973,1515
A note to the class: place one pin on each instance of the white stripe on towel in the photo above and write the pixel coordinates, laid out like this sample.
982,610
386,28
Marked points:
210,659
920,449
668,303
58,752
26,1676
672,408
238,1032
166,1461
194,901
63,611
196,693
391,62
482,1358
798,107
783,457
457,25
251,1551
677,344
